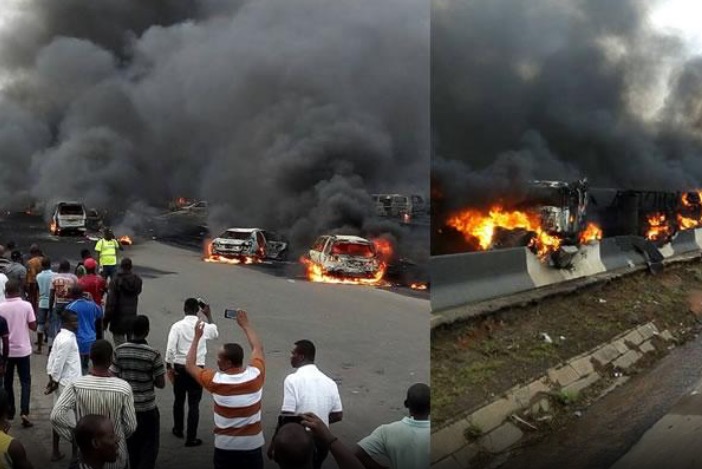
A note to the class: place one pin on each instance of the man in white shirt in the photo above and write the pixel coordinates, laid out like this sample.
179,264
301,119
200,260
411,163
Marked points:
179,339
63,367
404,443
308,390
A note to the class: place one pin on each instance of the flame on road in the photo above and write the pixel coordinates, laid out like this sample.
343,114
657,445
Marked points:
208,256
419,286
125,240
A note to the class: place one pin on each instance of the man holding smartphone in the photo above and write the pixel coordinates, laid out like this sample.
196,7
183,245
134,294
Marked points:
179,339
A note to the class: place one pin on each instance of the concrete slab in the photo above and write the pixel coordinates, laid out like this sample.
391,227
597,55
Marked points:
466,454
633,337
491,416
621,346
563,376
647,347
583,366
627,360
447,463
605,354
449,440
501,438
666,335
582,384
648,330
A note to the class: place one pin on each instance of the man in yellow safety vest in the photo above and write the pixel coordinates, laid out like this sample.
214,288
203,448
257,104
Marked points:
106,249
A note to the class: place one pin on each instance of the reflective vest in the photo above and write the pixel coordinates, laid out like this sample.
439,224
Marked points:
108,251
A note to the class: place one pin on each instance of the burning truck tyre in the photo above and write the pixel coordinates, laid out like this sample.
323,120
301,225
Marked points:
347,259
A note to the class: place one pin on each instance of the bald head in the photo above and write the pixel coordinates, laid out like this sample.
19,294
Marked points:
293,447
96,438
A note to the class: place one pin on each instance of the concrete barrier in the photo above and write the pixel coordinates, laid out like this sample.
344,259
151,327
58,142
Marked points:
465,279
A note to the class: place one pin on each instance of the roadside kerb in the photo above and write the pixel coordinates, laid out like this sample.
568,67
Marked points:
489,428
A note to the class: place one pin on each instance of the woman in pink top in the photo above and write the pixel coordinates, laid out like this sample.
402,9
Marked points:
20,318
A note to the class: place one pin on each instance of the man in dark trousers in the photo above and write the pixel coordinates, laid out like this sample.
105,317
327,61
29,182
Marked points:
142,367
180,337
122,302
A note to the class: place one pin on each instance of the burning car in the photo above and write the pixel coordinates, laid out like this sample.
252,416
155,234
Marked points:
68,217
241,244
344,256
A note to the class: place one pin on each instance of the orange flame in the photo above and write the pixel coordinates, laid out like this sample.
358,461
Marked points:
418,286
659,228
125,240
592,233
475,225
384,252
52,227
208,256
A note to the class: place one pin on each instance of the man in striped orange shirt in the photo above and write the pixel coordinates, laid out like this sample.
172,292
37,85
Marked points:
236,391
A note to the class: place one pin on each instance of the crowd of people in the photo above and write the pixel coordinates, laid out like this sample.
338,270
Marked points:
104,400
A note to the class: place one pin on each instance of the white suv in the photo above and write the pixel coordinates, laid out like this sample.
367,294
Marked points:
68,217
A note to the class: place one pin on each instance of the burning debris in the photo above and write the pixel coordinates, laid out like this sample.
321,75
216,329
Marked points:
125,240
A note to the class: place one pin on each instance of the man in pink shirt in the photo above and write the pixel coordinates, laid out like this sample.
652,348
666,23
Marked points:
20,318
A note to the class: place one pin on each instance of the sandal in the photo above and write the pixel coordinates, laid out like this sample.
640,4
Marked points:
25,422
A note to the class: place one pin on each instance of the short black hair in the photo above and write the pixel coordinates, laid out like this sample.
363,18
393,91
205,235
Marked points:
76,291
67,314
418,398
87,429
101,353
64,266
126,264
140,326
84,253
16,256
234,353
45,263
191,306
306,348
13,287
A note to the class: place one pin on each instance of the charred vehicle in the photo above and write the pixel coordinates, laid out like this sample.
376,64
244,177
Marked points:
249,242
346,256
399,206
68,217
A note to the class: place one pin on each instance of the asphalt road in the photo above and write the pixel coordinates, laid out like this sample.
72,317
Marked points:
373,342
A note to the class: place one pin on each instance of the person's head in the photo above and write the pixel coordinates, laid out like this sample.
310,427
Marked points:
4,405
303,353
140,327
90,265
76,292
418,400
64,266
84,253
101,353
191,307
126,264
109,235
13,289
293,447
46,263
230,356
34,250
10,246
69,320
96,438
16,256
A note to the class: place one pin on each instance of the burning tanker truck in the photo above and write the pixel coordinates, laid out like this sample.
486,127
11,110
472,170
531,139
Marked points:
555,218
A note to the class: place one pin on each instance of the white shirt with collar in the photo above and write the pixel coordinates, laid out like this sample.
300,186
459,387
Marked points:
181,336
310,390
64,360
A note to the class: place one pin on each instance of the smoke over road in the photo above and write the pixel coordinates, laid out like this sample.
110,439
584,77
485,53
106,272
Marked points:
559,90
280,114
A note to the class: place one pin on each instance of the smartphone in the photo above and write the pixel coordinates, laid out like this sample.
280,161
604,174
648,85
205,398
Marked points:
201,303
287,418
230,313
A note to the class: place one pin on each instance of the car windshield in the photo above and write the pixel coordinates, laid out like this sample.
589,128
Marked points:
352,249
71,210
235,235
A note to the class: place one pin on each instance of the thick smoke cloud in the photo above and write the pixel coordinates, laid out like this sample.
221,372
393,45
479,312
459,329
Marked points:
280,114
559,90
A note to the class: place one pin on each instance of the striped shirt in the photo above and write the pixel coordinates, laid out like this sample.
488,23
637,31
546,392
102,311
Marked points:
237,406
139,365
108,396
